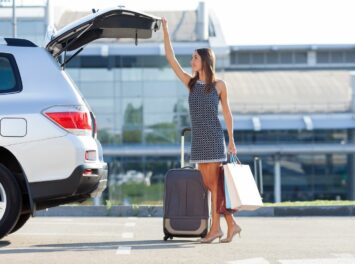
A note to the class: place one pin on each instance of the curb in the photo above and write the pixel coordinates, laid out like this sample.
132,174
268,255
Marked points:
157,211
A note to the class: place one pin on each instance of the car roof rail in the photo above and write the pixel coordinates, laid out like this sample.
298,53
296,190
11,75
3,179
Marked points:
17,42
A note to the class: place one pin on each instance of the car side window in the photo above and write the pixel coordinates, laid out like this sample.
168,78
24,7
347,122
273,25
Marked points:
10,81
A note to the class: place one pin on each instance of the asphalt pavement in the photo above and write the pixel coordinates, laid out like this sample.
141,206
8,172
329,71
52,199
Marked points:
140,240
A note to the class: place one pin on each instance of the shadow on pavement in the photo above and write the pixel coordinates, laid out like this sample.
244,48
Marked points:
4,243
135,245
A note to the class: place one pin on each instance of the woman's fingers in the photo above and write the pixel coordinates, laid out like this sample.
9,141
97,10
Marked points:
232,150
164,22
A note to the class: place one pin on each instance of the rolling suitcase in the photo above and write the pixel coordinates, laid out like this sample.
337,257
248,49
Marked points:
185,206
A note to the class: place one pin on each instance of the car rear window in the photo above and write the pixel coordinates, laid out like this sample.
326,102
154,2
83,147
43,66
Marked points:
10,81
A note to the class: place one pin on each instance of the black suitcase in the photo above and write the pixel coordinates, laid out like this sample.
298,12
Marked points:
185,206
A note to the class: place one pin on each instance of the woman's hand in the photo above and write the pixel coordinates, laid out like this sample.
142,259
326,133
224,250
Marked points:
164,23
231,148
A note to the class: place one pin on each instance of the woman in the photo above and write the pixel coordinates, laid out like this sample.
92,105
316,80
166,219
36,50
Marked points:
208,144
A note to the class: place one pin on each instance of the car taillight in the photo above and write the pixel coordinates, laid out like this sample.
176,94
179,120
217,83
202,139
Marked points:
75,122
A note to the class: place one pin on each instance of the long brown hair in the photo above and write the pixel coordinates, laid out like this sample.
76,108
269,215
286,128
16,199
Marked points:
208,66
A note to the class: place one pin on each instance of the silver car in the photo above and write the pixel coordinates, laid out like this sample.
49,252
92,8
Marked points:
49,154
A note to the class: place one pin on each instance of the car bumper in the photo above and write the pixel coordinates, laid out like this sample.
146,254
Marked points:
86,180
100,183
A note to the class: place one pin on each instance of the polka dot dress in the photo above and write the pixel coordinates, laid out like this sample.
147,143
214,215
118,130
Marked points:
207,138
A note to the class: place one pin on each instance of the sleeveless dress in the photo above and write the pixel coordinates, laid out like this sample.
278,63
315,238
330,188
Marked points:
207,137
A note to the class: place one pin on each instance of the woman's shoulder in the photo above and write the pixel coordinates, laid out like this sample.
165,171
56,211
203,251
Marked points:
220,82
220,85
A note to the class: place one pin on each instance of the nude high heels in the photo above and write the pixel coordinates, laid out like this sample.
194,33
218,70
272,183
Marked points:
218,235
236,230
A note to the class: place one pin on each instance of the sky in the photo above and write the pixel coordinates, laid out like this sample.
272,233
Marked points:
258,22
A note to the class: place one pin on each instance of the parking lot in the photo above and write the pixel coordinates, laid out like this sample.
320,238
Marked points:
139,240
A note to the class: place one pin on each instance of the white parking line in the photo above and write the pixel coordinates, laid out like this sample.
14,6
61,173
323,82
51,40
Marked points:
123,250
127,235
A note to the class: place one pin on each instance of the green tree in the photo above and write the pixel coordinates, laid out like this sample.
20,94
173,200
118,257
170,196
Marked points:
107,137
133,123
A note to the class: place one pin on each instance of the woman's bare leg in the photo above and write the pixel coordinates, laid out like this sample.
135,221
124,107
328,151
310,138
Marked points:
209,173
230,221
202,167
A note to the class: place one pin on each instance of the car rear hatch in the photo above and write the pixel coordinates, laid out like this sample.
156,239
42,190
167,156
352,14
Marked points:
107,23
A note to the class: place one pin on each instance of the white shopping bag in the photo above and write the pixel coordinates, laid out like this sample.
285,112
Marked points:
240,188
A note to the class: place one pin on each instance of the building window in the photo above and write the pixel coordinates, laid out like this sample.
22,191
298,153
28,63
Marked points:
94,62
350,56
243,58
269,57
300,57
286,57
258,58
272,57
337,56
323,57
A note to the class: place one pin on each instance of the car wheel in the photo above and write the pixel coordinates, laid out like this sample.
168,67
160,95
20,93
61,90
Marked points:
10,201
20,222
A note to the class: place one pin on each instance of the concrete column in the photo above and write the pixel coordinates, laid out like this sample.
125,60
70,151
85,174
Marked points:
351,137
277,179
311,58
352,83
14,22
202,21
351,169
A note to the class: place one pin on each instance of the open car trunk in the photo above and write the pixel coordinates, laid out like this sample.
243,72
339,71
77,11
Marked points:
108,23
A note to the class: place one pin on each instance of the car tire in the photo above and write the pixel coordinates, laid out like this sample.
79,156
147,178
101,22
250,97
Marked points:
10,194
20,222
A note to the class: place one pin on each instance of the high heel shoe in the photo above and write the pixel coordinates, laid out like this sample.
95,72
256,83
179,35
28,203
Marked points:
211,238
236,230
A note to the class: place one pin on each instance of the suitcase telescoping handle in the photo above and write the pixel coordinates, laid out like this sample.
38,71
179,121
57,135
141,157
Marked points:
258,171
183,131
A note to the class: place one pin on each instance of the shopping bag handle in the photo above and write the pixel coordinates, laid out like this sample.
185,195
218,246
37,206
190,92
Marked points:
233,158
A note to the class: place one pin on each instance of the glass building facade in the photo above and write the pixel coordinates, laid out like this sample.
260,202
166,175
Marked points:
31,20
135,102
32,29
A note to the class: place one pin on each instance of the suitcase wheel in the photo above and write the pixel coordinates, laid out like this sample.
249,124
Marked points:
166,237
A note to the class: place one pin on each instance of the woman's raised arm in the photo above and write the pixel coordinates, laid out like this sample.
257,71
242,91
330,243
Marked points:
170,56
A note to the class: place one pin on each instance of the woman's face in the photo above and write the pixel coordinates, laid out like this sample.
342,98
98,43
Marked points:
196,62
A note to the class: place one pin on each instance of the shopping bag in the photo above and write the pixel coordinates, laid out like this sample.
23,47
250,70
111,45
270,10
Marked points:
241,191
221,197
